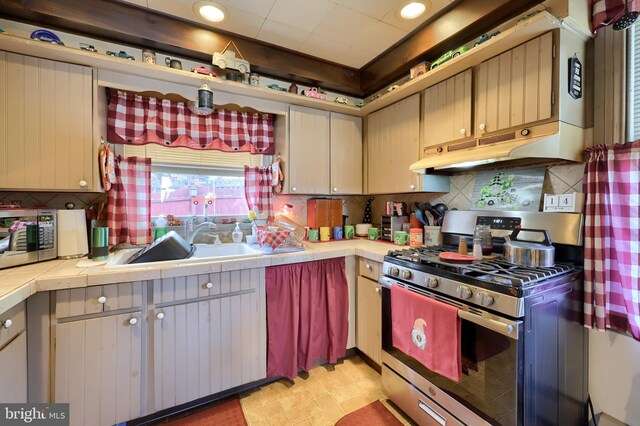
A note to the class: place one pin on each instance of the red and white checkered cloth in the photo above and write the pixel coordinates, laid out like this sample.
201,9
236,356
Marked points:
612,238
129,202
257,188
140,120
272,238
606,12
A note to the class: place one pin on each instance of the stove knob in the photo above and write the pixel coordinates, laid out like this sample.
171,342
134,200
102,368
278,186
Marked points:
431,282
394,271
406,274
484,299
464,292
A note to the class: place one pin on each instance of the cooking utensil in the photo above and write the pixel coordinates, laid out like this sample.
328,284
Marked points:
420,216
441,209
627,19
529,253
435,215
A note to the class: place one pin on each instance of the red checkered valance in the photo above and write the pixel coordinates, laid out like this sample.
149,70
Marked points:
139,120
606,12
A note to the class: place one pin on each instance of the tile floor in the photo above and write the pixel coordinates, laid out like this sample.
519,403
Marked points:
319,397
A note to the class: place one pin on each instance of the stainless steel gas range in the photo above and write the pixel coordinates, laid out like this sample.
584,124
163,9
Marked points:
523,346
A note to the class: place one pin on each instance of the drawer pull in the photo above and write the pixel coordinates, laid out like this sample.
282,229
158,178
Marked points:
133,321
7,323
82,183
437,417
102,300
368,266
160,315
378,290
209,285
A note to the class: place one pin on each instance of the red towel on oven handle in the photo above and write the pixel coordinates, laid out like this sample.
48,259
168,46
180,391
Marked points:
427,330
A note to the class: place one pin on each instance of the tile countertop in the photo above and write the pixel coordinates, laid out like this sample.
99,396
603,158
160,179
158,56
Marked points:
18,283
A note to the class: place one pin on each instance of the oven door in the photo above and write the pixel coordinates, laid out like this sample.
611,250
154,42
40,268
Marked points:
490,390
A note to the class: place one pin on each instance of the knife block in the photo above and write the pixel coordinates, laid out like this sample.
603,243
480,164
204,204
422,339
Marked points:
324,212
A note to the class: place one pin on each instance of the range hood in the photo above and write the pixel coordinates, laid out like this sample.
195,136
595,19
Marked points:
550,141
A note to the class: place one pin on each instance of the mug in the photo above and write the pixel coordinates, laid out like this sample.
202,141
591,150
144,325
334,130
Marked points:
325,233
432,236
337,232
254,79
173,63
313,235
373,233
148,56
401,238
349,232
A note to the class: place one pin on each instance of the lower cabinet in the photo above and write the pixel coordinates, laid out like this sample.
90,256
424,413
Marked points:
13,356
209,344
369,313
98,368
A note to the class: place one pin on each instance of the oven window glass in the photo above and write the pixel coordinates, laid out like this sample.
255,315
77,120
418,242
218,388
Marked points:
489,383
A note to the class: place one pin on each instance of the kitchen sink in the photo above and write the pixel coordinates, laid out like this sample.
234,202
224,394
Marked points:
203,253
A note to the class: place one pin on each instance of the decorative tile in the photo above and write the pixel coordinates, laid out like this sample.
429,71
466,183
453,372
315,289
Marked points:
554,185
460,202
459,181
571,174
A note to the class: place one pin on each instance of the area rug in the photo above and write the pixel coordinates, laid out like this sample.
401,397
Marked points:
227,414
374,414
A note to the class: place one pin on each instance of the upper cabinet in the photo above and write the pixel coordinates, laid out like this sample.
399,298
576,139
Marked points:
393,144
447,110
46,125
515,87
324,153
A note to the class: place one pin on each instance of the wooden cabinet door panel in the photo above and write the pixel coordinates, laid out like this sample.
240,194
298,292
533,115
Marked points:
46,142
309,151
98,369
13,371
346,154
369,318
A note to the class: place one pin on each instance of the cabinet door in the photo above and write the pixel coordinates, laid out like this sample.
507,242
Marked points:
447,111
369,318
346,154
98,368
309,151
393,144
205,347
45,124
516,87
13,371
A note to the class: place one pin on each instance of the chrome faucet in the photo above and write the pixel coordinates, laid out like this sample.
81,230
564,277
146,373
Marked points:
192,235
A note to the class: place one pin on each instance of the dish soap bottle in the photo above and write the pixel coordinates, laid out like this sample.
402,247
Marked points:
161,227
237,234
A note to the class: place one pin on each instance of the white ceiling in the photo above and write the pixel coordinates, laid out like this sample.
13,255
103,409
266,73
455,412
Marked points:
348,32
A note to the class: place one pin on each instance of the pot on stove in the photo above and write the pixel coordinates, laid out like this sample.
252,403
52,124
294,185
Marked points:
529,253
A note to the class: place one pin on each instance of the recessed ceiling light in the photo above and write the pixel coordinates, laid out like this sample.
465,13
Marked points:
412,10
209,10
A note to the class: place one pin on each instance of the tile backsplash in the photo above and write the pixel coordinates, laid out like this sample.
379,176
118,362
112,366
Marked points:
52,200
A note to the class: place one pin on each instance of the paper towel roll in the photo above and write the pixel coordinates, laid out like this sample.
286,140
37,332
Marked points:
72,234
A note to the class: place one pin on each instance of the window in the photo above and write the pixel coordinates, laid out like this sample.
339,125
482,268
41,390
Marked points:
186,182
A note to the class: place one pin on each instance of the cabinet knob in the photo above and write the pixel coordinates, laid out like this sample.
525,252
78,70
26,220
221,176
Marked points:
463,132
209,285
482,126
378,290
7,323
412,187
294,189
369,266
160,315
83,183
335,189
133,321
102,300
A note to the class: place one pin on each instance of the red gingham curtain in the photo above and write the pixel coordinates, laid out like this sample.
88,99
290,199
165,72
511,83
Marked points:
140,120
257,188
612,238
129,202
606,12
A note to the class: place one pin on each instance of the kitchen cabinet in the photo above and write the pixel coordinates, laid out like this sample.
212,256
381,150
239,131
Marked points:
46,125
447,110
13,356
207,335
393,144
325,152
98,368
515,87
369,311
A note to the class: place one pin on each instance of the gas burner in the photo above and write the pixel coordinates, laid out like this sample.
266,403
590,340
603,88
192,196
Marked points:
503,272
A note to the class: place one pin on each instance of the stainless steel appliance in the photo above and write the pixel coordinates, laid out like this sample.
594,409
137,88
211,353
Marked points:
27,236
523,346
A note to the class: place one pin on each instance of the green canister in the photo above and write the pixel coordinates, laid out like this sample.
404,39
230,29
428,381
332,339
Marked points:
100,243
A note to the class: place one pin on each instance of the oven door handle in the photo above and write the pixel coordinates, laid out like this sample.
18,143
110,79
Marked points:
509,330
435,416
